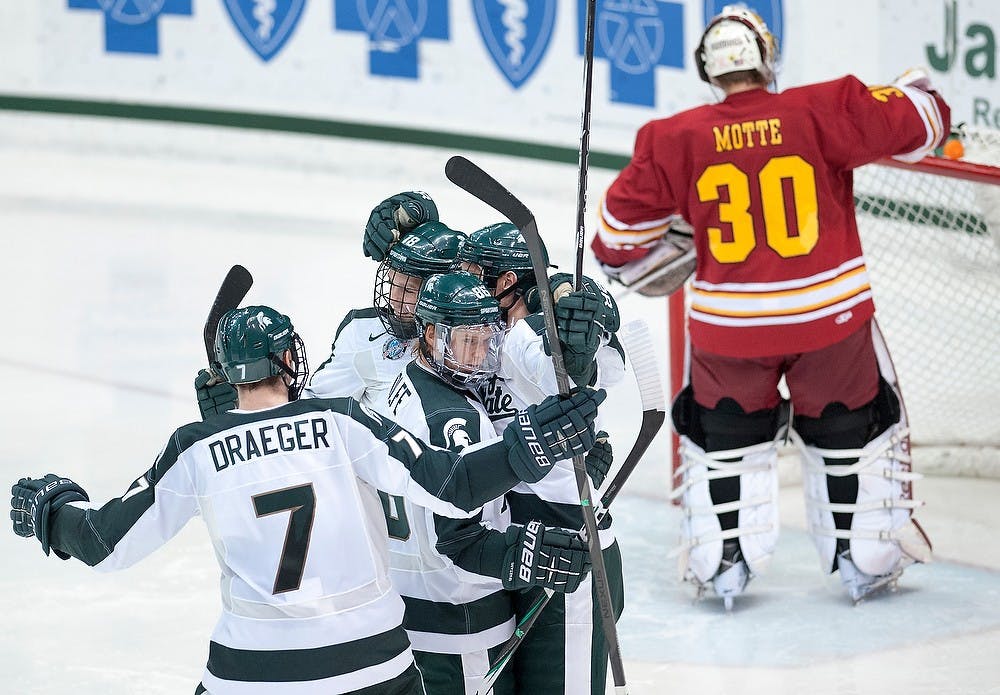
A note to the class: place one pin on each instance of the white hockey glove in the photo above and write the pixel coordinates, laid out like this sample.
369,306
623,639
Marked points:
663,270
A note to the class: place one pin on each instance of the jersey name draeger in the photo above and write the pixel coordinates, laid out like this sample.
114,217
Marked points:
243,445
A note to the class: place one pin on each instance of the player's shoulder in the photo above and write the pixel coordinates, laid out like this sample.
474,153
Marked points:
533,324
438,399
839,86
359,323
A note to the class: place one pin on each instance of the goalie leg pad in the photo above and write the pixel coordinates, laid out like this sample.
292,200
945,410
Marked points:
879,533
702,535
731,491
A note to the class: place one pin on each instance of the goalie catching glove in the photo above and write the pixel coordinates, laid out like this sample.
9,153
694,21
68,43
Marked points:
662,271
545,557
394,217
213,398
33,502
556,429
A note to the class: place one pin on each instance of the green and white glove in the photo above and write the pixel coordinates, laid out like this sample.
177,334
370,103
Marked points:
550,558
33,501
582,319
215,399
394,217
557,429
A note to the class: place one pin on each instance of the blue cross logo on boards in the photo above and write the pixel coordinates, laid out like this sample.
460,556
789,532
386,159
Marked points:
635,36
516,34
265,26
394,29
130,26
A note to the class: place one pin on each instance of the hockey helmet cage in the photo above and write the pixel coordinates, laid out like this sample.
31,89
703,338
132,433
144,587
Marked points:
432,248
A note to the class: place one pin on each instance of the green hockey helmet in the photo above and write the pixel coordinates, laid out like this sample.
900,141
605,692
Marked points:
250,345
497,249
465,349
429,249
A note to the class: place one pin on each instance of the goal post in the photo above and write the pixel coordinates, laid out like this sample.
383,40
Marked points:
931,237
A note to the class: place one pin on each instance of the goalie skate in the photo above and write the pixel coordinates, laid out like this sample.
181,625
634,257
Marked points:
860,585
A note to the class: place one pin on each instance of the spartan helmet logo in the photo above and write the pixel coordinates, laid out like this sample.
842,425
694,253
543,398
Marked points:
262,321
455,434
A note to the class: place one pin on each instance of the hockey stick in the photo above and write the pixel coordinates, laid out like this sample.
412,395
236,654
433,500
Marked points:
233,289
474,180
639,348
588,89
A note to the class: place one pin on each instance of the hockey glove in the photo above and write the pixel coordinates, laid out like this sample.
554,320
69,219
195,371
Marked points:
394,217
582,319
215,399
561,286
554,430
33,502
599,459
545,557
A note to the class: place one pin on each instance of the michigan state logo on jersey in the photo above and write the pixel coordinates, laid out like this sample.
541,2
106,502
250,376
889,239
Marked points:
499,403
455,434
393,349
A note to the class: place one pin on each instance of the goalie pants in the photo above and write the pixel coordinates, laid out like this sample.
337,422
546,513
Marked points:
565,653
845,372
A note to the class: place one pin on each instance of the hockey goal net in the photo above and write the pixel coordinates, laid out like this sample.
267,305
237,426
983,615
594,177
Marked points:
931,235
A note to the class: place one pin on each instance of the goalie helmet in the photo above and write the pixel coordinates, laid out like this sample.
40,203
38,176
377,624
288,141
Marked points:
429,249
497,249
736,39
250,346
465,348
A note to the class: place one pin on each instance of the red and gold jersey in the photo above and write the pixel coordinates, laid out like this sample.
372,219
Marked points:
766,181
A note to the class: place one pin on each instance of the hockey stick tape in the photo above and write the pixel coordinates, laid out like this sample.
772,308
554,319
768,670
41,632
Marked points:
639,348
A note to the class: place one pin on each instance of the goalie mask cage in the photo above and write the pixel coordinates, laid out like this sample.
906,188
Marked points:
931,237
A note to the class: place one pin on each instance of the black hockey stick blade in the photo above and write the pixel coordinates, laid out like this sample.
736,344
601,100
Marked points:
234,288
472,179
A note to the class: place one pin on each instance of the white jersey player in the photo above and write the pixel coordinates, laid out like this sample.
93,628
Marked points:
565,651
287,490
453,574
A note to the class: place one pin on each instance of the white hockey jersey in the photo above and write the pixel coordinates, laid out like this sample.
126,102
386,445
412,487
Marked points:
364,360
449,610
527,376
289,498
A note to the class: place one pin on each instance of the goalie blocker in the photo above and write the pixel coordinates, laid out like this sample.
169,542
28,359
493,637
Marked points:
662,271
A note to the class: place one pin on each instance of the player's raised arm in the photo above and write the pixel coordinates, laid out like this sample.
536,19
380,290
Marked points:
450,484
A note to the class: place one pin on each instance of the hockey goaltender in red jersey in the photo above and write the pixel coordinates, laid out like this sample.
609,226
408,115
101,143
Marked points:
780,289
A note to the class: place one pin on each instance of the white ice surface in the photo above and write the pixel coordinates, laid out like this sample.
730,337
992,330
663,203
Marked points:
115,237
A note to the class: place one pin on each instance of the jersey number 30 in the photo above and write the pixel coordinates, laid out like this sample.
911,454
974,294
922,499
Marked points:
736,211
301,502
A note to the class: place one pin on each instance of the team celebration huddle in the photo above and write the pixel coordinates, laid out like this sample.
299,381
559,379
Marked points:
423,511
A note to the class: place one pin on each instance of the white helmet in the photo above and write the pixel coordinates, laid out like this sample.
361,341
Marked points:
736,39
